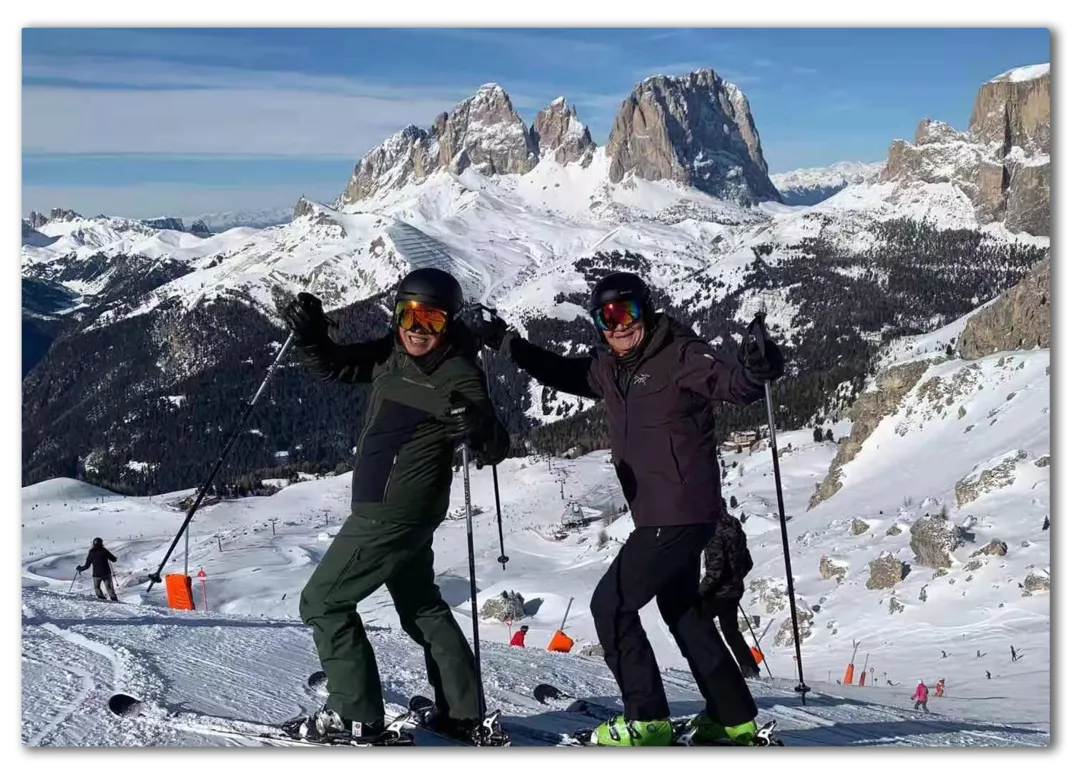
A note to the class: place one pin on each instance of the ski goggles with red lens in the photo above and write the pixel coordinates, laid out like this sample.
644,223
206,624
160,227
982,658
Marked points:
611,315
414,316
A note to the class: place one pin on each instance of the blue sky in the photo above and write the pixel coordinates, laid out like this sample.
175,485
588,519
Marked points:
142,122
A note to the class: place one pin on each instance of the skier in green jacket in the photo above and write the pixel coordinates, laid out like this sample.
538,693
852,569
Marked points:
416,374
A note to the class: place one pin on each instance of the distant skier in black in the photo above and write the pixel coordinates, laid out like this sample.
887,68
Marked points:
988,675
99,559
979,654
1014,657
727,563
944,655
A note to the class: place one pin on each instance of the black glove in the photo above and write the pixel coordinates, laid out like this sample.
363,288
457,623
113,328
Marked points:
761,366
759,356
79,568
464,421
306,318
490,329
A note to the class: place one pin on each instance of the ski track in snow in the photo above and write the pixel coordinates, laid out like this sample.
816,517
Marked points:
211,670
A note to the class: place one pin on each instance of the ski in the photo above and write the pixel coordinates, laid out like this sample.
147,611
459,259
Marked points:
545,694
488,733
126,706
683,726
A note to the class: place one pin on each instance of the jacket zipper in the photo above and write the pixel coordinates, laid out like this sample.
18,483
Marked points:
389,477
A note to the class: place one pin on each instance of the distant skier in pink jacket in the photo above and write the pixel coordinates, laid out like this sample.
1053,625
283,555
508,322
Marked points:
921,695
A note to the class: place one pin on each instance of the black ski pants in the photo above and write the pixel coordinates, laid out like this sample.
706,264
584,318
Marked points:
108,587
366,554
665,563
726,612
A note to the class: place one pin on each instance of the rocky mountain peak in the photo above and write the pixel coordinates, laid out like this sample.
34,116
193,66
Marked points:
558,130
39,219
1002,163
694,129
1013,109
482,132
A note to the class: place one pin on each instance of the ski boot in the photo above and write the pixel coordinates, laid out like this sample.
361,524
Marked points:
704,730
326,726
487,732
617,731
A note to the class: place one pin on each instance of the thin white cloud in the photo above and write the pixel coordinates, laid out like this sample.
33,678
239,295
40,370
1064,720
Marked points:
173,108
213,121
763,63
148,200
799,70
109,106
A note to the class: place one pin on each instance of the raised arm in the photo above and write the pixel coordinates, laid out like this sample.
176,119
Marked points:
566,374
727,375
351,363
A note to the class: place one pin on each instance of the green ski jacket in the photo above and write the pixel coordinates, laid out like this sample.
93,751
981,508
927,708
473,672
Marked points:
403,466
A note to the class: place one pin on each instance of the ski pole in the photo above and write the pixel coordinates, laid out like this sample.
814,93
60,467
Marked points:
73,580
751,628
503,558
757,328
155,577
472,576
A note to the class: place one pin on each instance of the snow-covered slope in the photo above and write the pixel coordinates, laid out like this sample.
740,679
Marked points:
955,437
810,186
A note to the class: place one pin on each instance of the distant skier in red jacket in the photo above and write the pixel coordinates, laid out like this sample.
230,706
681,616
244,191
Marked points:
519,637
921,695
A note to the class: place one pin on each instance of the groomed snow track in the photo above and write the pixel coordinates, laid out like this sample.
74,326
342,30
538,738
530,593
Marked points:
422,250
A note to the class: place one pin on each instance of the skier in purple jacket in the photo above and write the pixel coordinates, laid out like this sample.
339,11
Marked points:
659,380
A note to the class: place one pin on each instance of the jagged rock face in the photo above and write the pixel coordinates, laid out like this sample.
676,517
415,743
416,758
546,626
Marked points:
771,594
198,227
988,477
1019,319
63,215
785,636
1012,112
695,130
994,548
557,130
886,572
933,539
1036,582
866,413
39,219
831,569
508,606
1001,163
858,526
482,132
165,223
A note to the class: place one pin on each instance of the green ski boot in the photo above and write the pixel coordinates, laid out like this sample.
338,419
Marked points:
618,731
708,730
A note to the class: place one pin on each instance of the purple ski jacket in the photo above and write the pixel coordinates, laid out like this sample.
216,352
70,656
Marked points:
659,412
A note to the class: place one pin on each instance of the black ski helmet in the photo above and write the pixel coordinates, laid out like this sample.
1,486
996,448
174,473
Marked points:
617,287
98,541
434,287
524,627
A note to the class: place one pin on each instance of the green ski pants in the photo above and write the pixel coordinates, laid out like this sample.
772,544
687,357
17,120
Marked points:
366,554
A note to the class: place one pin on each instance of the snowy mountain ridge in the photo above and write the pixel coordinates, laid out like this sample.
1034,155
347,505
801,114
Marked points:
530,244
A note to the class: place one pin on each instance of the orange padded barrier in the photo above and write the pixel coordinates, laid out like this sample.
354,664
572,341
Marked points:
178,592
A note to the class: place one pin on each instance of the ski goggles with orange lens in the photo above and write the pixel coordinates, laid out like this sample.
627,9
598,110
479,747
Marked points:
621,312
418,317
